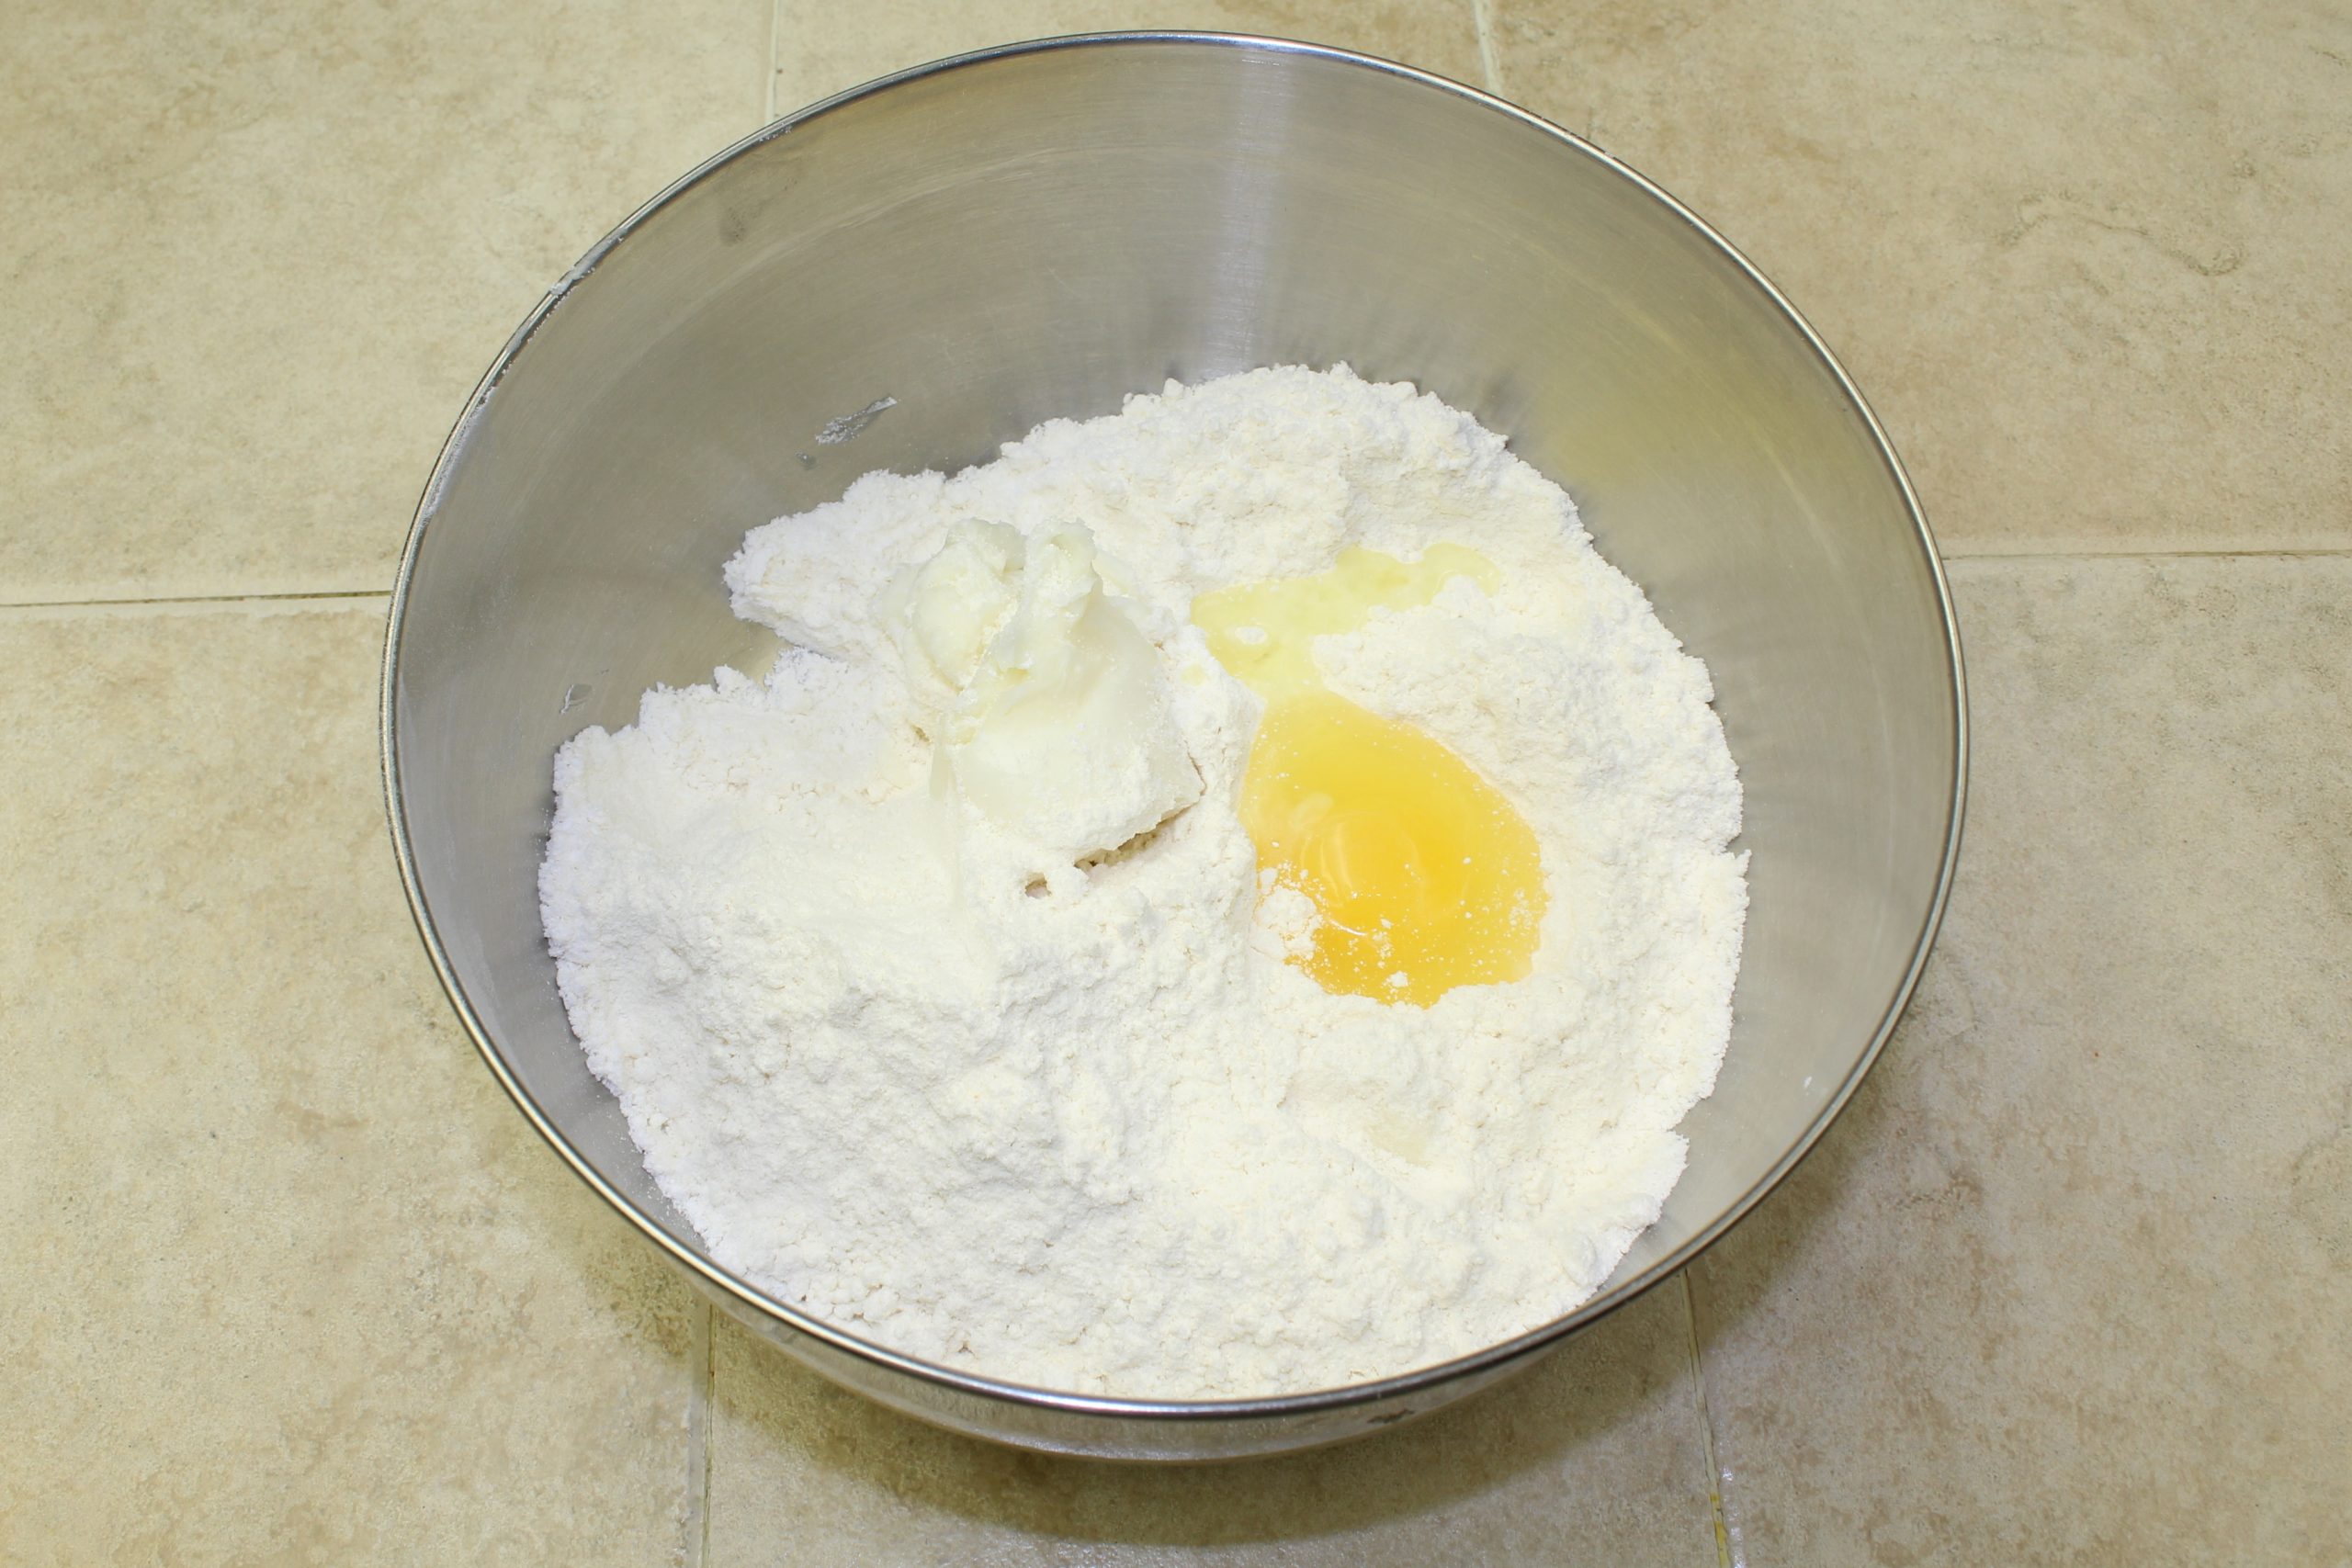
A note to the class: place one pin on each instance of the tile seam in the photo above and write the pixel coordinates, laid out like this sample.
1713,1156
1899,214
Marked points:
346,595
1723,1556
695,1527
775,58
1482,19
2304,552
260,606
330,595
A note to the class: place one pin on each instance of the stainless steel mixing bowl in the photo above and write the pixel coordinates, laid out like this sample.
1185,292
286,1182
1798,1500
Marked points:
912,273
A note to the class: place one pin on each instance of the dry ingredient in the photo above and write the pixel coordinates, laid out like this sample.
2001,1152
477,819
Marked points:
940,981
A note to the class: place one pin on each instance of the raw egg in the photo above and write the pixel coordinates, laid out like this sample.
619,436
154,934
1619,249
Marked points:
1424,877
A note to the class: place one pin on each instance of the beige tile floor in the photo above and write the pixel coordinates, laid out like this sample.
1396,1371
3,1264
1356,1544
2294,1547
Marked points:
290,1283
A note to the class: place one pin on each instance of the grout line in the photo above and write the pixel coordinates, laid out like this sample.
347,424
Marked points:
1724,1556
1951,557
163,599
2315,552
1481,14
695,1547
260,605
776,59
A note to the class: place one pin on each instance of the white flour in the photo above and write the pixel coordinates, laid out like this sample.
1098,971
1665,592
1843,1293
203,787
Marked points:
1082,1127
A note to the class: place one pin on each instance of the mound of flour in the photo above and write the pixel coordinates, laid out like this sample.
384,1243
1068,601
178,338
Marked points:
1081,1126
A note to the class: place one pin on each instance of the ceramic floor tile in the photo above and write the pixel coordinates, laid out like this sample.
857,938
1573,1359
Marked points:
257,256
2088,261
1595,1456
288,1280
818,52
2070,1281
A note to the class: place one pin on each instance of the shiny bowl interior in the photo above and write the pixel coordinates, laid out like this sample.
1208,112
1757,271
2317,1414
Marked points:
910,274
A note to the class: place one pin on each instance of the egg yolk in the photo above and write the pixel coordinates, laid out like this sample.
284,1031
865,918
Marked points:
1424,877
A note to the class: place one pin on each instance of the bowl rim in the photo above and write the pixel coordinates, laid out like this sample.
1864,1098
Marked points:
731,1288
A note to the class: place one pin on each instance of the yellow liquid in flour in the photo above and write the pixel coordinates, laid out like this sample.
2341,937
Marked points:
1424,875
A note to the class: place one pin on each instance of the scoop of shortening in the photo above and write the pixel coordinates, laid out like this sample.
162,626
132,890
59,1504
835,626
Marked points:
1049,706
